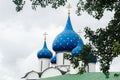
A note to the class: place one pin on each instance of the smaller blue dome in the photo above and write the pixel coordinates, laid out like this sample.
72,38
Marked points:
77,49
53,60
44,52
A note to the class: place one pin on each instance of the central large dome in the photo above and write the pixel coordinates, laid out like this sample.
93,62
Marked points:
67,39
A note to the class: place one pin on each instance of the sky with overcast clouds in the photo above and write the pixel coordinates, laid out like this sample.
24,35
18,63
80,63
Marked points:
21,35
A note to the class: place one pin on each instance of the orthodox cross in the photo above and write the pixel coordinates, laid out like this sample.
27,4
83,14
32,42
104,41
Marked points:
45,36
79,32
68,7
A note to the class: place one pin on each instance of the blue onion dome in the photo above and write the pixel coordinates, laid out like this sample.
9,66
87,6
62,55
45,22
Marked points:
77,49
53,60
93,58
44,52
67,39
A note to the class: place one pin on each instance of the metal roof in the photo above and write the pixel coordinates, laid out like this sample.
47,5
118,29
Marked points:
85,76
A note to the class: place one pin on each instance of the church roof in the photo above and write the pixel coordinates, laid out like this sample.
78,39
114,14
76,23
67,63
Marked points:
86,76
67,40
39,73
44,52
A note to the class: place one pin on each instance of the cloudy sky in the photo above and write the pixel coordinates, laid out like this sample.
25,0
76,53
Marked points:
21,35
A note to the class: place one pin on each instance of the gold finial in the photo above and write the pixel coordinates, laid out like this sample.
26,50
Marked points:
79,32
69,6
45,36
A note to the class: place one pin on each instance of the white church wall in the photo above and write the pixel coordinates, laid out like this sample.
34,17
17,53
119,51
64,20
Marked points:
66,62
72,70
91,67
32,75
60,59
52,65
51,73
80,63
65,68
44,64
87,69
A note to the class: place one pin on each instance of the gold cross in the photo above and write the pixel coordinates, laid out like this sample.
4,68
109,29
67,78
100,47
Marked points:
79,32
68,7
45,36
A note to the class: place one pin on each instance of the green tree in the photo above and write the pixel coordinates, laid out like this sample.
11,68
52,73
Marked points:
95,8
102,40
117,47
43,3
86,56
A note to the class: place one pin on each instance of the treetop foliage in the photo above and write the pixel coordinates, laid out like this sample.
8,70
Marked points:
95,8
106,41
42,3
